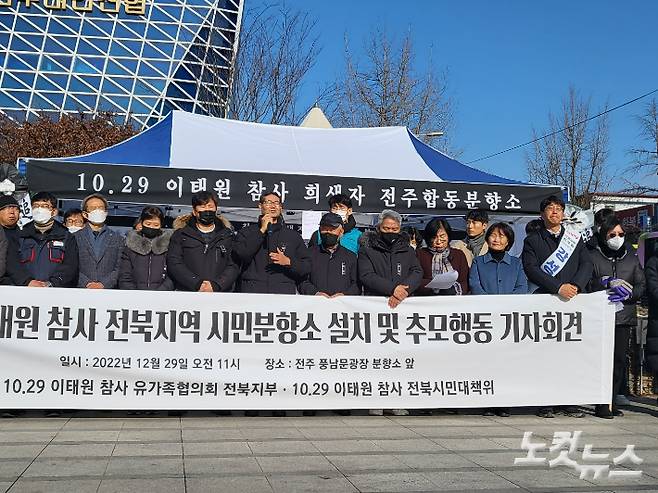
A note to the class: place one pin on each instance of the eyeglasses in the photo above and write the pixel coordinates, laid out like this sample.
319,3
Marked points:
612,235
271,202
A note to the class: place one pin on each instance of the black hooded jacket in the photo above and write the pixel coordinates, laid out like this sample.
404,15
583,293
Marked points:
382,267
192,258
144,262
259,274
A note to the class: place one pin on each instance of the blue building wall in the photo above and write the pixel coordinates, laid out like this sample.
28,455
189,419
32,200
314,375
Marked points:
136,58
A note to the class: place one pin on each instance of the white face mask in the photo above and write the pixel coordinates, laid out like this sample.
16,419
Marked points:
41,215
74,229
97,216
615,242
342,214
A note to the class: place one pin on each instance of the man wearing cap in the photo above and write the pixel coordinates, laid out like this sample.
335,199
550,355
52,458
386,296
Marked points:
9,216
333,267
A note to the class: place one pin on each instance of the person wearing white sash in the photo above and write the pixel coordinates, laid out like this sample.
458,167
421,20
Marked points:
556,261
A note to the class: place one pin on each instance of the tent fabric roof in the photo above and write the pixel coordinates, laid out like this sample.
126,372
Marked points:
189,141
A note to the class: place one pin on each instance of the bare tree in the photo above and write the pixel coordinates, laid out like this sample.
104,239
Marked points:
384,88
645,159
278,46
575,151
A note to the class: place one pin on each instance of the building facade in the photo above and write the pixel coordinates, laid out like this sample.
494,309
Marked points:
136,58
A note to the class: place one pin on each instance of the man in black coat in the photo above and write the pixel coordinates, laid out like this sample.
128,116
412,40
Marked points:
576,273
333,267
565,276
274,258
200,254
45,253
388,266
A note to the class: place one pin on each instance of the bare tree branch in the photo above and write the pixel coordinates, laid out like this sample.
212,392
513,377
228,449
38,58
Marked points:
575,157
382,87
278,47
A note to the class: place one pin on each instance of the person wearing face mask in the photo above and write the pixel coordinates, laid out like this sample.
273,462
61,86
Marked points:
599,216
200,256
333,267
74,221
144,258
565,274
45,254
617,270
274,258
341,205
440,258
388,267
100,248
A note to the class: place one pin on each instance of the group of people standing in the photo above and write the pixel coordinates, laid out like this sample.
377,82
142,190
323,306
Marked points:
203,253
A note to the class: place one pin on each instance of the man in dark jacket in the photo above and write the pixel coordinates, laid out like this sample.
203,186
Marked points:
9,216
556,260
333,267
274,258
200,253
566,278
45,253
388,266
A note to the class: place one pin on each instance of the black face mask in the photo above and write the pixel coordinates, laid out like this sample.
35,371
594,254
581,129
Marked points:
151,232
390,238
207,217
329,240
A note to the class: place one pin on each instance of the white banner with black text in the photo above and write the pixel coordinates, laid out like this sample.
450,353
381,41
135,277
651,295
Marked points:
93,349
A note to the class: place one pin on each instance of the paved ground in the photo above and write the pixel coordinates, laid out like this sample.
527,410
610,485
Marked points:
114,452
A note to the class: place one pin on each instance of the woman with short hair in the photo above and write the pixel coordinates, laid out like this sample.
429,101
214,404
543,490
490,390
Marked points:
439,258
497,272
